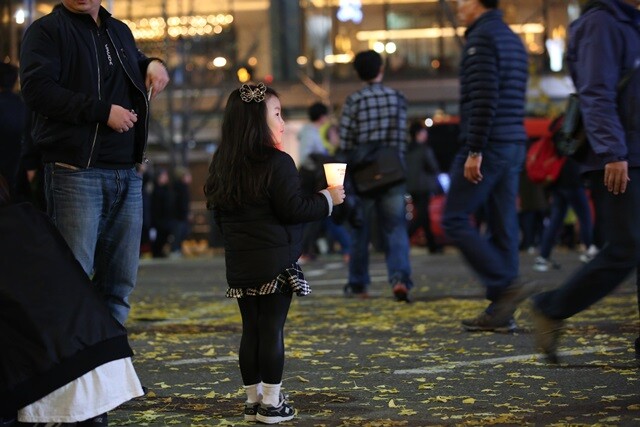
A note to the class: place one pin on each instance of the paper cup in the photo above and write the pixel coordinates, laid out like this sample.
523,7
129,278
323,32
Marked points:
335,173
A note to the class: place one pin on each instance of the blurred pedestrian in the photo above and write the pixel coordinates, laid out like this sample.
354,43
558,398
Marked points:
486,170
254,191
147,188
533,208
162,213
87,83
566,192
604,50
309,137
182,216
376,116
312,155
422,182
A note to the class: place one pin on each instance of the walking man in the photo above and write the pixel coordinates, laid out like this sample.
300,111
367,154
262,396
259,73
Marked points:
485,172
377,114
604,52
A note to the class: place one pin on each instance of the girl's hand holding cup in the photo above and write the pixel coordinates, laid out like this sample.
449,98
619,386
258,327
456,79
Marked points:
337,194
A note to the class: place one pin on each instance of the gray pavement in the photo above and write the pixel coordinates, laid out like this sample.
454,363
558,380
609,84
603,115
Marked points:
377,362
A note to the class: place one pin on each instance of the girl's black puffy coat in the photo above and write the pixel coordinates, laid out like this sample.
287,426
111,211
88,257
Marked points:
263,239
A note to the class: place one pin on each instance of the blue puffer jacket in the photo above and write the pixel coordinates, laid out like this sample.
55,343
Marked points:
604,44
493,84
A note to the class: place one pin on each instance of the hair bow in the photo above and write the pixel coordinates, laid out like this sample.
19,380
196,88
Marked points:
257,94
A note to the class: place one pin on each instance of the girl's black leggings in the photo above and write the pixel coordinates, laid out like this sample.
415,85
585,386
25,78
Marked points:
262,343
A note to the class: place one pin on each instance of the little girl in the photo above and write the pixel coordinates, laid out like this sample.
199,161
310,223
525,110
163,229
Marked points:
253,189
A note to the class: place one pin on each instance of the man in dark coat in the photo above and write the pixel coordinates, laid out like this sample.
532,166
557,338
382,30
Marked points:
604,49
485,173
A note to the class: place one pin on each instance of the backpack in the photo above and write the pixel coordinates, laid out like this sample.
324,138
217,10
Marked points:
543,163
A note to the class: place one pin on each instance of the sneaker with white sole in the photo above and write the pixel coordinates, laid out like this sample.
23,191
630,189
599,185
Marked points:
543,264
589,254
250,411
275,414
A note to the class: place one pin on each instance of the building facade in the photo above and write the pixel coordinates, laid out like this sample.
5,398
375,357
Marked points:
304,48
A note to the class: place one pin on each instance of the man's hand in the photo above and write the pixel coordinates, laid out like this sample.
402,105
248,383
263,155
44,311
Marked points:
121,119
616,176
157,78
472,169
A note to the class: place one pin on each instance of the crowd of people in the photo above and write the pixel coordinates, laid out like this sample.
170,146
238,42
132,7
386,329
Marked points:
167,215
85,113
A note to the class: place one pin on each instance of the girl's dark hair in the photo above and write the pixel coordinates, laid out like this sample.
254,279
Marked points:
238,173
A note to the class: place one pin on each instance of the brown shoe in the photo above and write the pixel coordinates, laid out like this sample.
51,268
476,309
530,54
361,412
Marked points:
511,297
547,332
485,322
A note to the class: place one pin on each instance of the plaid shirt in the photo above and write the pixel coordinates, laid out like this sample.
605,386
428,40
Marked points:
375,114
290,280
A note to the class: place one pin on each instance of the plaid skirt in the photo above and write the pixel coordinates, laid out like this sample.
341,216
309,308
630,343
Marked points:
289,281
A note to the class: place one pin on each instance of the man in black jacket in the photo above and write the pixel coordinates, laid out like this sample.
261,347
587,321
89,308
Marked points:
485,173
89,87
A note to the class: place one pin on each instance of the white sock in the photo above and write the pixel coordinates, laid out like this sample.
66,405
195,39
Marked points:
254,392
271,394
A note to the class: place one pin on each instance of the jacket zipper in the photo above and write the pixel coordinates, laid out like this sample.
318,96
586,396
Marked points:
95,135
144,95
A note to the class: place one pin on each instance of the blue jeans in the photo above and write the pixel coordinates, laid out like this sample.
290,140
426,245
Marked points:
391,214
99,213
619,215
494,257
561,199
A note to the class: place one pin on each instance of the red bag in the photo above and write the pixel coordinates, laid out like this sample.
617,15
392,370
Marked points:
543,163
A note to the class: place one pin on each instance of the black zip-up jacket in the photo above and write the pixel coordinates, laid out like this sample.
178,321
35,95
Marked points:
61,83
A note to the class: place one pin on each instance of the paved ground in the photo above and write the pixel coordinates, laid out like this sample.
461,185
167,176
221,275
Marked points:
378,362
